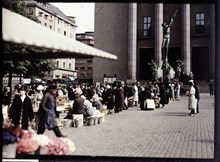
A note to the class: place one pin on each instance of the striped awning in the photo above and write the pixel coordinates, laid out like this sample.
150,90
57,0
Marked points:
21,30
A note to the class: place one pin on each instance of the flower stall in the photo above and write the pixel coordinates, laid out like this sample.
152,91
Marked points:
17,142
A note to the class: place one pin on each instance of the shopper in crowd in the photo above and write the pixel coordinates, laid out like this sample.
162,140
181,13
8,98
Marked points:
172,92
108,98
48,112
6,96
97,103
119,98
144,94
135,96
21,110
177,91
197,95
89,109
77,104
163,96
192,101
38,96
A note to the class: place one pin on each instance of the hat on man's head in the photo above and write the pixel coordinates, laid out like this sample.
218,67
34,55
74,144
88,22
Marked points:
53,86
23,87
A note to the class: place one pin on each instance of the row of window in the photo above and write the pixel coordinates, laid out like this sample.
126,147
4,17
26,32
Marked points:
70,66
64,65
199,22
83,61
83,68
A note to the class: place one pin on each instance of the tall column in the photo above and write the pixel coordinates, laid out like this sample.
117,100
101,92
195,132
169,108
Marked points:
132,41
158,33
186,48
212,44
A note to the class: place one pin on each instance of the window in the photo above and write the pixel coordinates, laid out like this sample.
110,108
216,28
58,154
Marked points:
40,14
30,10
82,68
51,17
58,21
57,63
89,68
200,23
76,68
70,66
45,17
89,61
45,24
64,33
147,26
64,65
50,26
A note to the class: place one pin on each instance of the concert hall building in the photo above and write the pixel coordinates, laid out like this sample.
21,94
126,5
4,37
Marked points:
133,32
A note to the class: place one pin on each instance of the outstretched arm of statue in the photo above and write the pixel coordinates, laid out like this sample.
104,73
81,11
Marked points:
171,18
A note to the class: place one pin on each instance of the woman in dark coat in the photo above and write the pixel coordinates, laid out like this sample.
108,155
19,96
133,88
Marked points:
143,95
108,99
163,96
119,98
47,113
21,110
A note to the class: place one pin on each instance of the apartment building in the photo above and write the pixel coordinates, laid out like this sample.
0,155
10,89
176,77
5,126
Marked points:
84,66
53,18
134,33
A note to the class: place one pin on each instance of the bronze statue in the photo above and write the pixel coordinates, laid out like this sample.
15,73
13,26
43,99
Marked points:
166,71
179,68
153,68
166,36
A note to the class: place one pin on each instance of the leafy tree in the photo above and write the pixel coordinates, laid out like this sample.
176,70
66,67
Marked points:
39,67
27,67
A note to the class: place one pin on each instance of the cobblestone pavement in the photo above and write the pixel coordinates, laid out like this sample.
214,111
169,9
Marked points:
160,133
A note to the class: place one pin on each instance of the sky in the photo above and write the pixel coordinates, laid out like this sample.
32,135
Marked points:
83,13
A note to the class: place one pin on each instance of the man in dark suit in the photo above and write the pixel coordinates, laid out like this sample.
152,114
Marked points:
197,95
47,112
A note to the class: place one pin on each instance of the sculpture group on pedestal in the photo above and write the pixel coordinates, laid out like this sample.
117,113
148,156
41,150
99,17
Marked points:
166,68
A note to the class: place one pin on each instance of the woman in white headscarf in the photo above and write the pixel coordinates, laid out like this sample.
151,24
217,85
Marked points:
135,96
192,102
38,96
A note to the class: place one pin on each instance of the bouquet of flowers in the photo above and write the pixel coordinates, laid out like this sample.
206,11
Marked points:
27,143
70,144
10,133
56,146
60,146
41,139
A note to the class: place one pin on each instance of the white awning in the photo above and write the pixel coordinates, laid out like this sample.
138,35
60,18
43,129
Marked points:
21,30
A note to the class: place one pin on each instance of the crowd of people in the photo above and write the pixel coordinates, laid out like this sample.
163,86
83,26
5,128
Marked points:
37,103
